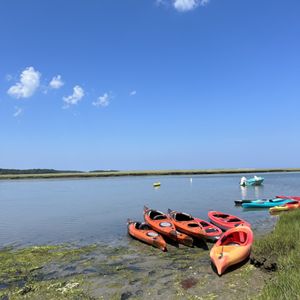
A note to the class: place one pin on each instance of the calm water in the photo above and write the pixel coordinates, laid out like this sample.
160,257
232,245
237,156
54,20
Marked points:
95,210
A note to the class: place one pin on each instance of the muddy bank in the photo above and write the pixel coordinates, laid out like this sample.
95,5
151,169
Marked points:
134,271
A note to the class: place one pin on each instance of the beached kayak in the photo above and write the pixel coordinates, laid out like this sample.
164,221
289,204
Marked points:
192,226
225,221
285,207
146,234
252,181
266,203
163,224
233,247
212,232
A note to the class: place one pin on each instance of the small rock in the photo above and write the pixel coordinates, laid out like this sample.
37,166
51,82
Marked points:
126,295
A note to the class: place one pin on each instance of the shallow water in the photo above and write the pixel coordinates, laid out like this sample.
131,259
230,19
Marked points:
85,211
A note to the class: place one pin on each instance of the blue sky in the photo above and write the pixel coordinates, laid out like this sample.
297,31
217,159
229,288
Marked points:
131,84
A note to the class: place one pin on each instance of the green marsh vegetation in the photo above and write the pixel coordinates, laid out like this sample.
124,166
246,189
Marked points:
31,273
280,251
41,173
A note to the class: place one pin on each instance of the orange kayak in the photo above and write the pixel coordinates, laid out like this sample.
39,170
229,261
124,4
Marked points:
187,224
233,247
163,224
144,233
212,232
225,221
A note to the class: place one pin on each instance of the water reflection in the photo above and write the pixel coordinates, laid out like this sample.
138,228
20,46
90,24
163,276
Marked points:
243,192
258,191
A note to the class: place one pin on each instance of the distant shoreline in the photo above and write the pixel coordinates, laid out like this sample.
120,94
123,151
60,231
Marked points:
143,173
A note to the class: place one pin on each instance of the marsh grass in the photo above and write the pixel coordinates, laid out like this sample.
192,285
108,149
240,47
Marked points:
142,173
283,247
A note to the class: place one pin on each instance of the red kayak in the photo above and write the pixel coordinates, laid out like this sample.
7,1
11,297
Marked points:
163,224
225,221
146,234
297,198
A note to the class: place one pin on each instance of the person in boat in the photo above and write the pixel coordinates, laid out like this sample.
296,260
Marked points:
256,177
243,181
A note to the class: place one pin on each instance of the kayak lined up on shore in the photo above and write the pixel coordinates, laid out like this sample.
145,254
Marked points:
145,233
194,227
232,235
164,225
225,221
182,228
233,248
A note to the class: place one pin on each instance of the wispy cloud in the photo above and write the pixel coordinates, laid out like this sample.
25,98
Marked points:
56,82
18,111
8,77
26,87
132,93
78,94
184,5
103,100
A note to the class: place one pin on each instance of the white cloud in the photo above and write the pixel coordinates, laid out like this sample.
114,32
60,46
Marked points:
183,5
56,82
29,82
103,100
77,95
18,111
132,93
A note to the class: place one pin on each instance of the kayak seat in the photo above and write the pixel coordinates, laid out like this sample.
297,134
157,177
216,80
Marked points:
204,224
209,230
183,217
223,216
142,226
154,213
234,220
233,244
159,217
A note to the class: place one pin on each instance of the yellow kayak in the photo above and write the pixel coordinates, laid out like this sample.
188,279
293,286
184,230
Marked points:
286,207
156,184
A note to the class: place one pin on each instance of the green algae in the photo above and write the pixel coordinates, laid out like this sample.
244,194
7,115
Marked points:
106,272
22,272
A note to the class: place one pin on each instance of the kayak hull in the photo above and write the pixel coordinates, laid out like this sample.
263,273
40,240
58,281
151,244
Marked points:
212,232
266,204
186,224
225,221
253,181
144,233
233,248
164,225
286,207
